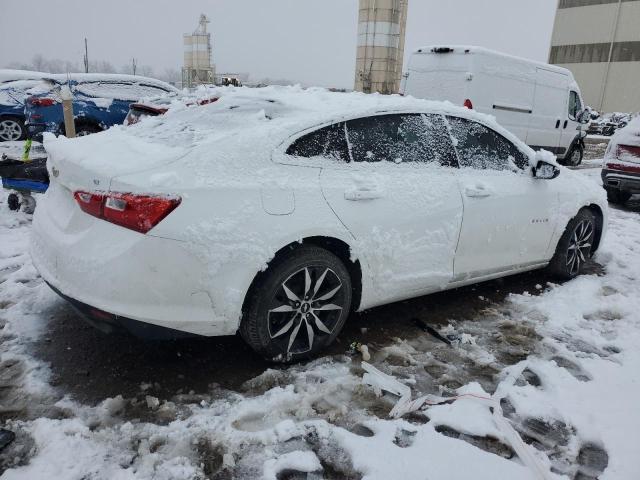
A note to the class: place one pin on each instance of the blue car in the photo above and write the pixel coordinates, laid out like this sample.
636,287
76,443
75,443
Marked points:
99,101
12,100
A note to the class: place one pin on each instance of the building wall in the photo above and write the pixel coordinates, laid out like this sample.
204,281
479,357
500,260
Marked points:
599,41
380,53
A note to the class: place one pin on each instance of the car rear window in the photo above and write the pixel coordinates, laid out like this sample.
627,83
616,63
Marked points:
118,90
326,142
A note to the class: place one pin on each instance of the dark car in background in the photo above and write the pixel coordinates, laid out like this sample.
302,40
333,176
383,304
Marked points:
99,101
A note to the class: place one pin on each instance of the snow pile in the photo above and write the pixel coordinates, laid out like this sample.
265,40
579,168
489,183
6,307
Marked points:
570,392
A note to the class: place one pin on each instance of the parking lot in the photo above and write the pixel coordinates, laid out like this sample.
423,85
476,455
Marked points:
80,401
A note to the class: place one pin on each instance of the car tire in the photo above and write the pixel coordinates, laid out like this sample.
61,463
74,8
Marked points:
575,246
13,202
575,156
282,321
12,129
617,197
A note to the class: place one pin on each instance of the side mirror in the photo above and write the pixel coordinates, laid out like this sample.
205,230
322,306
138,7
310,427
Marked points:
545,171
585,115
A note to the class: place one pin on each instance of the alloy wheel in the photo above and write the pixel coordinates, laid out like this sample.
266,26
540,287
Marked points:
10,130
579,246
308,304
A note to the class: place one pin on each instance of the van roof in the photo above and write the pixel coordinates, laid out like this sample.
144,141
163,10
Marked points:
474,49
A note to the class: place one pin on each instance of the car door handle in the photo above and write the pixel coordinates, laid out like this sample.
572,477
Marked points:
558,124
362,193
566,122
477,192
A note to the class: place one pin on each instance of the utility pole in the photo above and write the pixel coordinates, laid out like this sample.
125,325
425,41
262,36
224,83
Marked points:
134,65
86,56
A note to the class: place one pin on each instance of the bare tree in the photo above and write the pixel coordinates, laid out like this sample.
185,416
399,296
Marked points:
171,75
145,71
39,63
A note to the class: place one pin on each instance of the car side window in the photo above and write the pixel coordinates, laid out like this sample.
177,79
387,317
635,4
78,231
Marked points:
481,148
326,142
400,138
575,105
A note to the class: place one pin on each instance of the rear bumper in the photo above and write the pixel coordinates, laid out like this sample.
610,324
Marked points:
35,131
621,180
124,275
110,323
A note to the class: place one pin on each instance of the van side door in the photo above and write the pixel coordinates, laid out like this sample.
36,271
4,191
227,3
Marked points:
549,112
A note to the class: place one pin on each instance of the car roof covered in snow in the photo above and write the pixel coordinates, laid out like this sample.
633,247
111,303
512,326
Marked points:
245,124
62,78
8,75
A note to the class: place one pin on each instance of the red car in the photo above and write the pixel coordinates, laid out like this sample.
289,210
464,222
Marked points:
159,106
621,168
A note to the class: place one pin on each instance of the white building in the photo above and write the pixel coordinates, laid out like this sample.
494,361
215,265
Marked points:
599,41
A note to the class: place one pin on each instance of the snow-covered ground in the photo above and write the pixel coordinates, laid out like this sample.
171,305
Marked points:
562,361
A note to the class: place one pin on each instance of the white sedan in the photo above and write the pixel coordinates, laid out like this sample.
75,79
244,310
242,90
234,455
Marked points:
277,212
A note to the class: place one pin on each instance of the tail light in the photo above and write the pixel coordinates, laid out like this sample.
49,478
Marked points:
135,212
468,104
42,101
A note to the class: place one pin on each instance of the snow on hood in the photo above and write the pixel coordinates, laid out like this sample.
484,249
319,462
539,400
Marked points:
250,122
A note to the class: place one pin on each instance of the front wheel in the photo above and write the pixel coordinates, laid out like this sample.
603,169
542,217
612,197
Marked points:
575,246
299,306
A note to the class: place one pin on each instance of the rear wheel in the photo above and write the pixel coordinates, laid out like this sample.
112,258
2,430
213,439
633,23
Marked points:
13,201
299,306
12,129
617,196
575,246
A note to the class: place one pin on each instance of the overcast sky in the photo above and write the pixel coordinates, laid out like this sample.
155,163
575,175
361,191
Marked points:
311,41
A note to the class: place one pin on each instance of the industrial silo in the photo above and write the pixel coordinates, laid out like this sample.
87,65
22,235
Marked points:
381,33
198,69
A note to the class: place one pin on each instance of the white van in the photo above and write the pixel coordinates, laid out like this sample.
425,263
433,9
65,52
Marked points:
539,103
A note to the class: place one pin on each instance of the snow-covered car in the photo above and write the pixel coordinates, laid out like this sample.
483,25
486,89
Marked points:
159,106
99,101
621,167
276,212
608,124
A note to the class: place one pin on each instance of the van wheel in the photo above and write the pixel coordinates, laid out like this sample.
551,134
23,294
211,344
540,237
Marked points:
299,306
575,246
617,196
575,157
